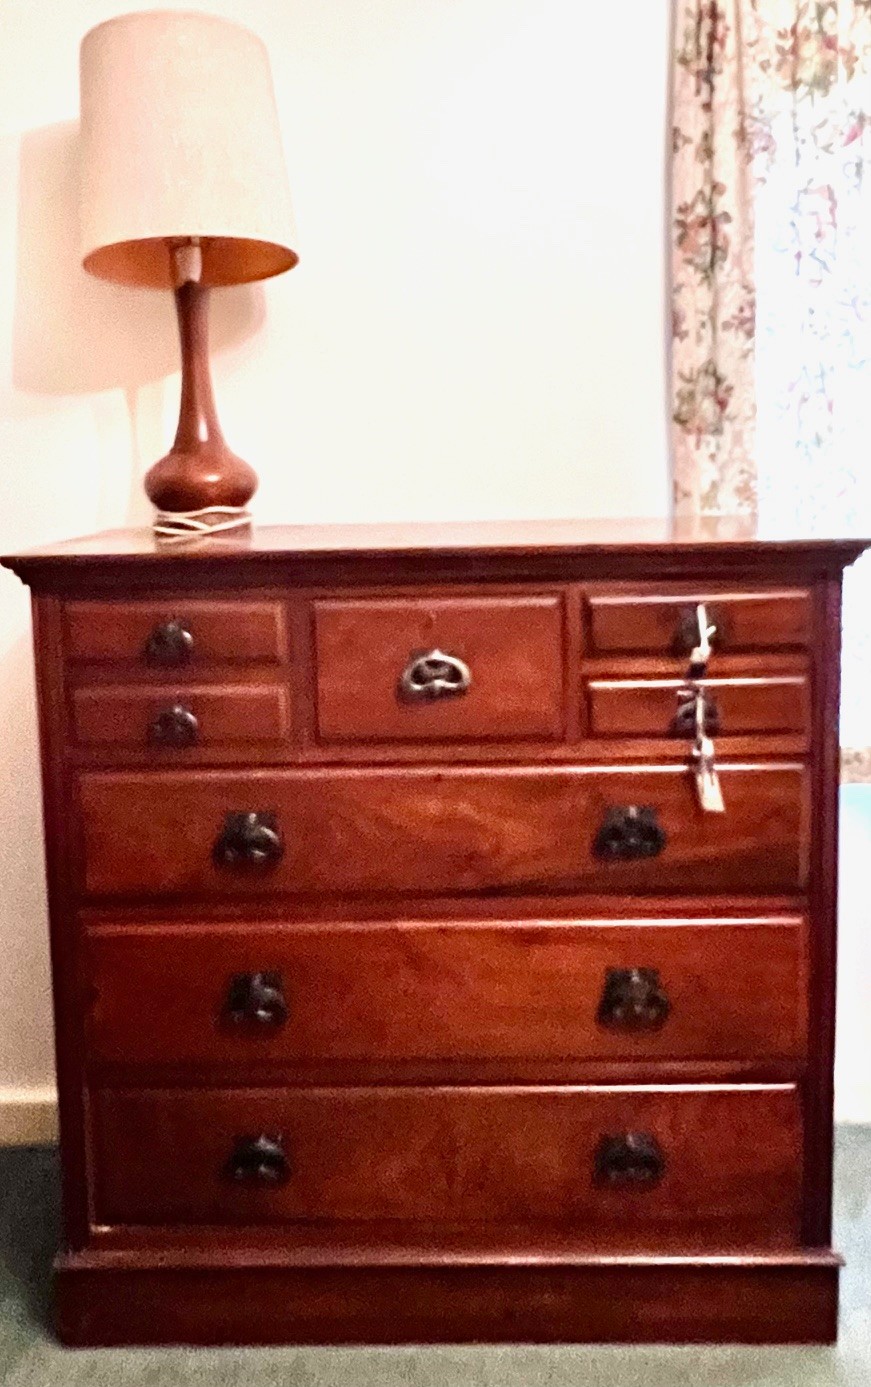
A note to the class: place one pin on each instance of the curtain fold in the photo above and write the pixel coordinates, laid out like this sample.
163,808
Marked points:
712,256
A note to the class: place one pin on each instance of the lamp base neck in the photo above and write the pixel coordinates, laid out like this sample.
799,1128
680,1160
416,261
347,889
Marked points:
199,474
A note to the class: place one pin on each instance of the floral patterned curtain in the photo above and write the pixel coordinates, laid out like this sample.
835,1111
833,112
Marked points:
713,281
772,277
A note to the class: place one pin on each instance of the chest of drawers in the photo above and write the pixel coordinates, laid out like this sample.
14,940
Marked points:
410,982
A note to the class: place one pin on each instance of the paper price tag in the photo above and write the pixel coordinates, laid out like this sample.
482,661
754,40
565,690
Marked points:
701,653
707,780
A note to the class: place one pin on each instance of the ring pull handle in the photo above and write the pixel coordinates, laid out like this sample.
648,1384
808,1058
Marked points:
249,840
630,1159
174,727
690,715
170,644
628,832
697,629
633,999
257,1000
260,1160
434,675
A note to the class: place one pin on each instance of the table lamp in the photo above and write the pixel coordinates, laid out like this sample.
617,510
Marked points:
183,186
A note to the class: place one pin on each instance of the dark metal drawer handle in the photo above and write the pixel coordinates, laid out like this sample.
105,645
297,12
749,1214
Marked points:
174,727
633,999
633,1158
258,1000
249,840
169,644
629,832
260,1160
434,675
684,721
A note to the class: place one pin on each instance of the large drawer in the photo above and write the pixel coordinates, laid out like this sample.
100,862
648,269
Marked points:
436,668
445,831
465,990
716,1167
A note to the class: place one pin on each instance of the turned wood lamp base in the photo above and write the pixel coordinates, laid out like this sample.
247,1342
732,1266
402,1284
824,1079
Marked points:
200,487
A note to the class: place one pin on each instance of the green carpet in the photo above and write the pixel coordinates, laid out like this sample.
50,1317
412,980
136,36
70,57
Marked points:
30,1358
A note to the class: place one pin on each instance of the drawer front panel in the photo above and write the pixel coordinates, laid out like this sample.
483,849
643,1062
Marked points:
176,720
447,831
373,682
712,1165
136,633
663,623
734,707
464,991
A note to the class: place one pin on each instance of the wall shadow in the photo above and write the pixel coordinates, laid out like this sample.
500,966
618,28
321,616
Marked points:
73,333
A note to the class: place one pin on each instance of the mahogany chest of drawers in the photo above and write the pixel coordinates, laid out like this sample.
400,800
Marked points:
443,932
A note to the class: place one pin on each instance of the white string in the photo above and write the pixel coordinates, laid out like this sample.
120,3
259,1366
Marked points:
174,527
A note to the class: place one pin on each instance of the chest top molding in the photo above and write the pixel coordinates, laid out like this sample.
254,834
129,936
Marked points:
555,550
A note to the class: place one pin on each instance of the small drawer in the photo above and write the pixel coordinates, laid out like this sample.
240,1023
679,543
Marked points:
666,708
666,623
205,716
713,1166
435,669
463,990
452,831
176,634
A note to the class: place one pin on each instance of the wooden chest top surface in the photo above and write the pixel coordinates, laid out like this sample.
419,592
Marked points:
655,546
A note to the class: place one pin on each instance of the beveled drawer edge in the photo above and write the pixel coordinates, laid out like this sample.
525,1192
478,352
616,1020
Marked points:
709,681
417,771
106,927
159,1248
637,595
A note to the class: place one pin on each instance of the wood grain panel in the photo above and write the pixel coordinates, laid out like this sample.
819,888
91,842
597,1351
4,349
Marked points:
445,830
746,620
513,647
455,1155
647,707
394,990
522,1297
223,631
227,715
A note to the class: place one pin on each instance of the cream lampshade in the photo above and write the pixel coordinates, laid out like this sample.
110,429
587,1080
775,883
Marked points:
183,186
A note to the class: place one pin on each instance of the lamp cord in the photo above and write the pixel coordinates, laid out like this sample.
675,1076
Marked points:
174,527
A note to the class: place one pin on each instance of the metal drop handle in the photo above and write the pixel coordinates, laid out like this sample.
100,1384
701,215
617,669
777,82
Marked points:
169,644
690,717
697,628
629,831
257,1001
249,840
633,999
175,726
260,1160
432,675
630,1159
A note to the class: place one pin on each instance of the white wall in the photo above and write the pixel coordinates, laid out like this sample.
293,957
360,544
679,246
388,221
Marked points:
475,328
